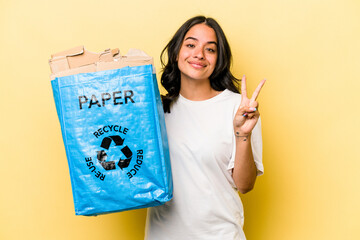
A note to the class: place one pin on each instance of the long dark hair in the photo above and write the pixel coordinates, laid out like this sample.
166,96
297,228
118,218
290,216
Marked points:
220,79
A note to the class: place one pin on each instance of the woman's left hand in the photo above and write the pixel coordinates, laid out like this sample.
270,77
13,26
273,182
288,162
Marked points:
248,114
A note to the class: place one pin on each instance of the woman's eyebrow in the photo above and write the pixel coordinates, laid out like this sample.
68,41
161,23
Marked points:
195,39
191,38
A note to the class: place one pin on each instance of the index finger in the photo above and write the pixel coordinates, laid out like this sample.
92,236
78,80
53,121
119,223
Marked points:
257,90
243,87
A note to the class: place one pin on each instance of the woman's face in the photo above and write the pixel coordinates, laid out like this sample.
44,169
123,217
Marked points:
198,53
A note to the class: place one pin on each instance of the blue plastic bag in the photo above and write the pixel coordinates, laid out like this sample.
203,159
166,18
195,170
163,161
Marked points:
114,134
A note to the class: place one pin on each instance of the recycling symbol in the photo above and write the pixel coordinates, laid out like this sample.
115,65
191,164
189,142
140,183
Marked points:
102,156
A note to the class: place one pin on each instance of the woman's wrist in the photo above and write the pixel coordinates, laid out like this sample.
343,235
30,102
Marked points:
242,136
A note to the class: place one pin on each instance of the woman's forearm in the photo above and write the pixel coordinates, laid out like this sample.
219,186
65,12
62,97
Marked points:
244,172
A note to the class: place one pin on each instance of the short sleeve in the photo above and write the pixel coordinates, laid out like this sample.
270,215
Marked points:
256,146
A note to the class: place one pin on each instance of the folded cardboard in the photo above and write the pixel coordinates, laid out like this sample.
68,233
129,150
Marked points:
79,60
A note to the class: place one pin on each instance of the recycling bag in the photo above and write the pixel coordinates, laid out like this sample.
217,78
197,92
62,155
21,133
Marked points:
114,134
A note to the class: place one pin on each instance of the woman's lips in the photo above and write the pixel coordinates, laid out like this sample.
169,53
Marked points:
197,64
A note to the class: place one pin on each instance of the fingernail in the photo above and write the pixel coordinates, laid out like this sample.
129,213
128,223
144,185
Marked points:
245,114
252,109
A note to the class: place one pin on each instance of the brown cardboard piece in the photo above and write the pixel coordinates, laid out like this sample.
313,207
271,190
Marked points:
79,60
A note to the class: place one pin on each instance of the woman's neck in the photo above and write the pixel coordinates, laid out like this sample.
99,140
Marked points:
197,90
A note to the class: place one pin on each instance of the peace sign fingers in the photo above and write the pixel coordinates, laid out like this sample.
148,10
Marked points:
256,92
247,115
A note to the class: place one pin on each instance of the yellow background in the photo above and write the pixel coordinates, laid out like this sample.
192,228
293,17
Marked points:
309,51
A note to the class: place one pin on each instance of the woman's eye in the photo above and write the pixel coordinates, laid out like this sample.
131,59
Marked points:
190,45
211,50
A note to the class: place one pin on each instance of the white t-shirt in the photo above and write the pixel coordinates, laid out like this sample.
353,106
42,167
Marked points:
205,204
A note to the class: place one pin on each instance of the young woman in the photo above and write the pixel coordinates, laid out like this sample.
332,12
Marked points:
214,138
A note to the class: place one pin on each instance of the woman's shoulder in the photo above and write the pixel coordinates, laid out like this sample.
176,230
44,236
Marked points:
232,95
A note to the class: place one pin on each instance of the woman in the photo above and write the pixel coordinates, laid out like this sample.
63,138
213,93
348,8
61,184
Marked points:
214,138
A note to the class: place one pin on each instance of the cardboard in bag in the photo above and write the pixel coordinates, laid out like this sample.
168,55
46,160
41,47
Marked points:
79,60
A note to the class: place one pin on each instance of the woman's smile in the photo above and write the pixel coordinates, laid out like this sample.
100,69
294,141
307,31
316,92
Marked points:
197,65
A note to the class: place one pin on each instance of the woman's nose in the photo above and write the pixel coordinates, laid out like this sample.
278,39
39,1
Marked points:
199,53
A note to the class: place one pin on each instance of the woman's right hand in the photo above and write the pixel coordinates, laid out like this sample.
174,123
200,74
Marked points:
248,114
